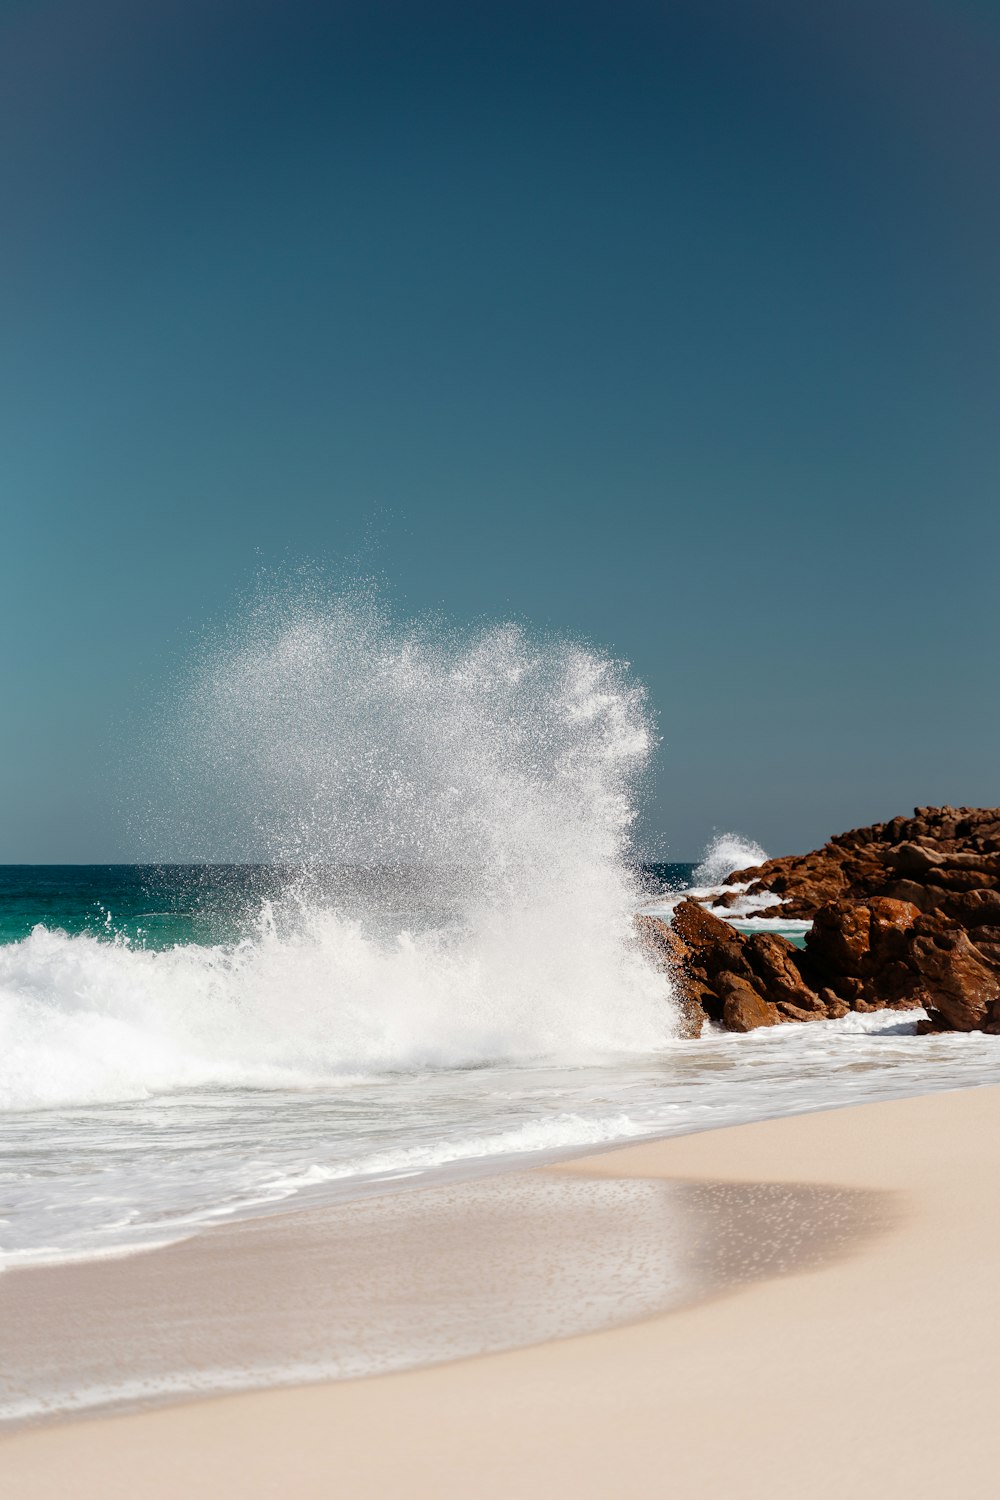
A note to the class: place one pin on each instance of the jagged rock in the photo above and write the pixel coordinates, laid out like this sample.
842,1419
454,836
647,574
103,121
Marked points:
861,949
958,848
941,879
728,899
670,953
663,945
958,986
787,1012
714,945
690,1012
699,928
699,991
992,1022
743,1009
904,913
973,859
923,897
980,908
834,1006
890,924
840,937
913,859
987,944
893,985
853,991
772,959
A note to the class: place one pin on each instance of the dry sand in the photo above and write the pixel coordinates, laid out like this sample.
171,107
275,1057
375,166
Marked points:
823,1321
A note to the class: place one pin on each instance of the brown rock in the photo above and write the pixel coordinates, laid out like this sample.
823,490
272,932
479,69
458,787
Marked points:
957,984
936,843
697,989
670,953
743,1009
853,991
787,1012
857,939
973,908
987,944
985,934
699,928
941,880
660,943
890,924
714,945
772,959
975,859
691,1014
913,859
727,899
905,913
840,937
924,897
835,1007
894,984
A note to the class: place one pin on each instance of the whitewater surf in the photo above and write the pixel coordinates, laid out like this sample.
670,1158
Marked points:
398,944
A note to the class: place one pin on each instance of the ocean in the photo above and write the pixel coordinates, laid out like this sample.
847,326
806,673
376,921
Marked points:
387,942
177,1050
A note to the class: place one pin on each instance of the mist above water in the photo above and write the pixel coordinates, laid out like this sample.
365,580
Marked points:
489,776
452,817
726,853
320,732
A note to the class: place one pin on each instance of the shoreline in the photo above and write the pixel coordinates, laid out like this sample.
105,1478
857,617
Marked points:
491,1121
844,1354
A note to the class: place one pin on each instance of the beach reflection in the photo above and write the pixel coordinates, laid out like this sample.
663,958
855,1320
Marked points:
390,1283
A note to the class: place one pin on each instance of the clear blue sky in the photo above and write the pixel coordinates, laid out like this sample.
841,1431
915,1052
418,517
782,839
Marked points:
675,326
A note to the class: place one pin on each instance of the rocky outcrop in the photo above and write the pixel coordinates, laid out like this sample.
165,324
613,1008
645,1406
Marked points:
740,982
669,953
776,971
743,1007
905,914
960,990
939,849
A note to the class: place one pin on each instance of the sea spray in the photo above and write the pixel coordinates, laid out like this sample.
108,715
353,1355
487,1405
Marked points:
726,853
451,815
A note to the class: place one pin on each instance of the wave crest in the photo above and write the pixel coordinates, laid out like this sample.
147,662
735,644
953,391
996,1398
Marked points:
495,773
727,852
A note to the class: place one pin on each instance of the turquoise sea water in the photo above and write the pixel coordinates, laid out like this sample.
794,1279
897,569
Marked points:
185,1044
151,906
156,906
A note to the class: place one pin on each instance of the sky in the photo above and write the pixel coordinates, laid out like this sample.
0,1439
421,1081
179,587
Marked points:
671,326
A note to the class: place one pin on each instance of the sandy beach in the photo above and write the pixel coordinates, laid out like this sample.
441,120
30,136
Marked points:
843,1337
499,810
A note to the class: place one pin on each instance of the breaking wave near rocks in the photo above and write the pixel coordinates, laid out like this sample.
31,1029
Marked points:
440,826
727,853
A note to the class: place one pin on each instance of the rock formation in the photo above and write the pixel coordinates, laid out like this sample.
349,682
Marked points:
905,915
910,859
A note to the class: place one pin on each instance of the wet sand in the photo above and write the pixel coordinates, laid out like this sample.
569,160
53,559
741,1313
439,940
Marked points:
804,1305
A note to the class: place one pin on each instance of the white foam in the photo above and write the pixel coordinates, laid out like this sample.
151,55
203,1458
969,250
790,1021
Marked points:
84,1021
727,852
341,1043
556,1135
320,734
